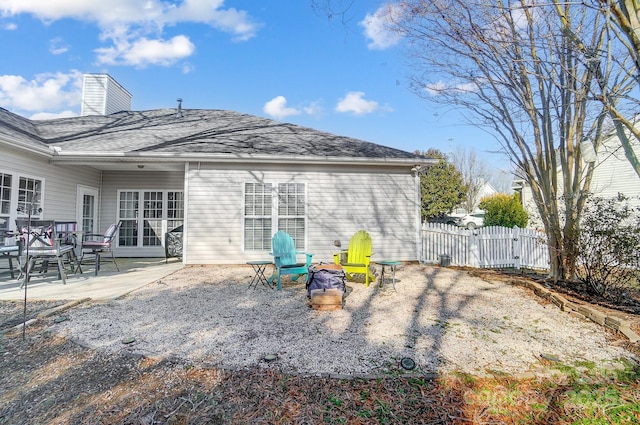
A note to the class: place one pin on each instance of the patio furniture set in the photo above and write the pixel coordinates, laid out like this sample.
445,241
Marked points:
356,260
38,245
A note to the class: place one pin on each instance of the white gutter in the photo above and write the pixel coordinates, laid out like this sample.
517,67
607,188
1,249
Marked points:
42,150
61,157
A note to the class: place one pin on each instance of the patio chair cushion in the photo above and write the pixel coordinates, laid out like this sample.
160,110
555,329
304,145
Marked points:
6,249
96,244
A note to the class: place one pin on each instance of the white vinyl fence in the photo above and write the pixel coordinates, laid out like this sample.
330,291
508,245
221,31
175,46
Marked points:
485,247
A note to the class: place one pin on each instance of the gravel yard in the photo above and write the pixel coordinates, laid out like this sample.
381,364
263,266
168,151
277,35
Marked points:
444,319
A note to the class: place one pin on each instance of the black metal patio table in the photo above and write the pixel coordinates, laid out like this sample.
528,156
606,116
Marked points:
259,277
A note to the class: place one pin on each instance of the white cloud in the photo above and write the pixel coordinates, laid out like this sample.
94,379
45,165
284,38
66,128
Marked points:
50,116
133,24
149,13
57,46
436,88
376,27
144,52
10,26
353,102
277,108
439,87
187,68
49,92
314,108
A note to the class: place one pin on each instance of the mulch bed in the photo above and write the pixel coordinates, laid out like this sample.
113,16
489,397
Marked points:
12,313
52,380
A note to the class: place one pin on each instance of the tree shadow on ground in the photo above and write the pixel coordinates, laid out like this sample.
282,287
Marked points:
49,379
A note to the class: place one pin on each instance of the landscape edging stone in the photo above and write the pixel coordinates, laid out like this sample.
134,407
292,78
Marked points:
615,323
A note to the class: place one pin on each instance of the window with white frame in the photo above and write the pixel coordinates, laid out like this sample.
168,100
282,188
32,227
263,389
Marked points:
260,213
128,206
5,200
145,215
18,195
175,209
291,211
29,196
258,206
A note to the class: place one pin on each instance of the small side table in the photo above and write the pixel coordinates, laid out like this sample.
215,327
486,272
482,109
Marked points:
259,277
392,267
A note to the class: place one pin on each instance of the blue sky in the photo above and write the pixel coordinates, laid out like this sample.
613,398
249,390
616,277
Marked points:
273,58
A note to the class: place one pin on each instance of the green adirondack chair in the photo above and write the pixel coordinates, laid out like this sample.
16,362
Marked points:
356,260
285,258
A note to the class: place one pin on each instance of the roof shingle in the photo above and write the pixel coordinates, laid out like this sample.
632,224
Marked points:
197,131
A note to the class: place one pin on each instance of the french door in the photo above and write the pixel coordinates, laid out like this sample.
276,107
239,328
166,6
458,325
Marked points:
87,209
146,216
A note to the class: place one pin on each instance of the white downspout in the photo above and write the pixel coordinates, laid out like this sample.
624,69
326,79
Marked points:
418,201
185,220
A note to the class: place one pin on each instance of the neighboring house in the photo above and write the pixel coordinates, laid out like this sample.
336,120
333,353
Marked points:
232,180
486,190
612,174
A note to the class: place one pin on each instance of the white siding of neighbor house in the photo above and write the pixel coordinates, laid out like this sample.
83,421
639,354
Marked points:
340,201
102,95
113,181
612,174
60,182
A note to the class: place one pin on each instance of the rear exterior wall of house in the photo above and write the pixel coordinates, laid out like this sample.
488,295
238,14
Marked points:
231,213
60,185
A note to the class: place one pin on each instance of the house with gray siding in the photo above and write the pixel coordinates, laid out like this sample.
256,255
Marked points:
231,180
612,175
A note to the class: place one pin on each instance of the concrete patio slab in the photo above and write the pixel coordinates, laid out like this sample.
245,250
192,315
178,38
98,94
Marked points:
108,284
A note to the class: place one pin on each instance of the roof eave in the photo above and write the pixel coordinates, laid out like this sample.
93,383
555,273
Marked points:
87,158
42,150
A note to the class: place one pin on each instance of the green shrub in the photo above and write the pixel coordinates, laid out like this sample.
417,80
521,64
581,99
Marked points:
504,210
442,186
608,245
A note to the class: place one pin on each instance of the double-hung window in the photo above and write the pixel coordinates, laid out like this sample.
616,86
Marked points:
5,200
19,196
269,206
291,211
258,212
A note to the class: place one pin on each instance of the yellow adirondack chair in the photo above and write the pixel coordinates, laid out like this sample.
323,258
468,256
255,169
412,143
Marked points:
356,260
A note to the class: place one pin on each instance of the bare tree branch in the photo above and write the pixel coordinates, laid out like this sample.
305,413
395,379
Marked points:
514,67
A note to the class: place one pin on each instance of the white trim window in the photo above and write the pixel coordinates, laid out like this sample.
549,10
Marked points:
146,215
292,211
5,200
17,194
269,206
175,209
258,210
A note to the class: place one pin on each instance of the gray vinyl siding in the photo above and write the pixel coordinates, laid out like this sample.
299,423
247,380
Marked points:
340,201
113,181
102,95
60,182
93,98
614,174
118,99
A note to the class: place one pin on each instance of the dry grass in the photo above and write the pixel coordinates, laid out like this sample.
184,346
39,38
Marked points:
50,380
